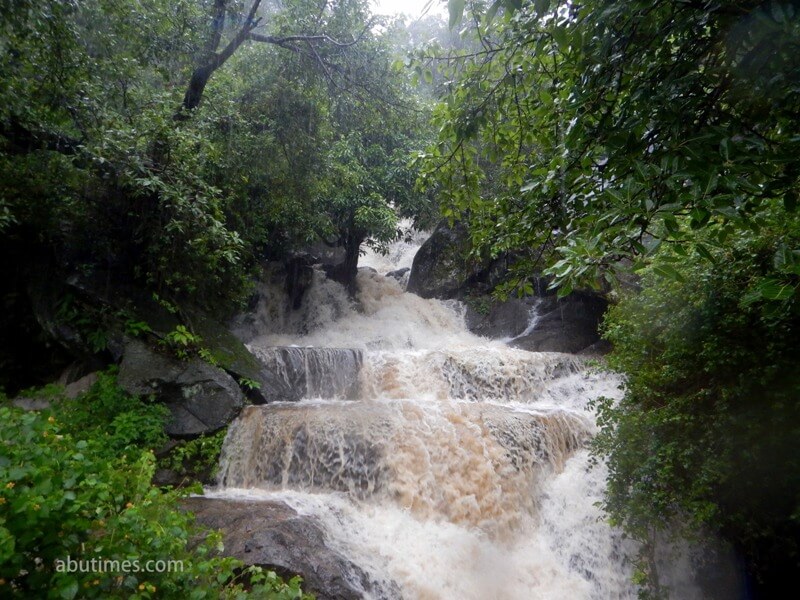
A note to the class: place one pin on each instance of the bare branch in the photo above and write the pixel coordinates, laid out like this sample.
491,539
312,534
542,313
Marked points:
309,38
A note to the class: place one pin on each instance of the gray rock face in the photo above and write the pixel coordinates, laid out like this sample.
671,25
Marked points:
31,403
201,398
566,325
440,267
398,273
442,270
274,536
543,324
81,386
499,320
313,372
233,356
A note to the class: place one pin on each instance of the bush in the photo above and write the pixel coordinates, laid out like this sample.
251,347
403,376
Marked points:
74,491
707,432
108,414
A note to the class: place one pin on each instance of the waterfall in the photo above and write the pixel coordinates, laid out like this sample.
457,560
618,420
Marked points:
455,466
315,372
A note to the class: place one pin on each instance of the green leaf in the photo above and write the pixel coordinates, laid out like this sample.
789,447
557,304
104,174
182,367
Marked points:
456,8
70,590
699,217
492,12
783,257
560,36
668,272
773,289
541,7
704,252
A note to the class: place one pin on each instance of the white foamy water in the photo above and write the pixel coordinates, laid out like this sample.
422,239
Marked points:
399,254
381,317
459,472
434,559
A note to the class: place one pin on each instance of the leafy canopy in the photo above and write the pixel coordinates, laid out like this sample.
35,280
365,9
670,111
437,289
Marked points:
601,129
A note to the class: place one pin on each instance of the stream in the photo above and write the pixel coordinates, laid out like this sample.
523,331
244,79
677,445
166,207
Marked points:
452,465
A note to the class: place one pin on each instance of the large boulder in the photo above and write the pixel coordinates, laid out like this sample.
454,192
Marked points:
541,323
226,350
234,357
201,398
565,325
442,268
274,536
494,319
399,274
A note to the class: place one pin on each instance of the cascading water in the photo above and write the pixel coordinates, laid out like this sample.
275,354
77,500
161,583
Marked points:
458,468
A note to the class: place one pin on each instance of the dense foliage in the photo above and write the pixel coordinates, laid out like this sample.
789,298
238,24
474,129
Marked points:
598,128
75,485
173,145
705,438
589,138
97,162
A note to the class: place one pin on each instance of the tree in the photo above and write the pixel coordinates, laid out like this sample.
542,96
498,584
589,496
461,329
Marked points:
615,125
371,182
90,91
213,58
604,134
98,178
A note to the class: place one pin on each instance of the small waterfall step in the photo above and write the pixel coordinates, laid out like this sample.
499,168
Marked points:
470,463
489,373
314,372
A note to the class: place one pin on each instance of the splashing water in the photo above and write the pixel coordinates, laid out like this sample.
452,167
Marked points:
399,254
459,471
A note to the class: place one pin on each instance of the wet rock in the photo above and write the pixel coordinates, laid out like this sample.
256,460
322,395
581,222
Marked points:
201,398
275,536
599,348
269,304
491,318
31,403
565,325
441,267
81,386
313,372
399,274
234,357
542,323
443,270
225,348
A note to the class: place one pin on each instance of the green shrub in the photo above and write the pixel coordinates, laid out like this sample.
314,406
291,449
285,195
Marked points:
63,497
707,432
196,459
110,415
75,484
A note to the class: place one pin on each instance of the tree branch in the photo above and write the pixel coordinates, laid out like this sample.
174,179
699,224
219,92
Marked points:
201,75
217,27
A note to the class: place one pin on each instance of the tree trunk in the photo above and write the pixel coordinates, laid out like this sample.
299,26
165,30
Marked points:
345,272
352,245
